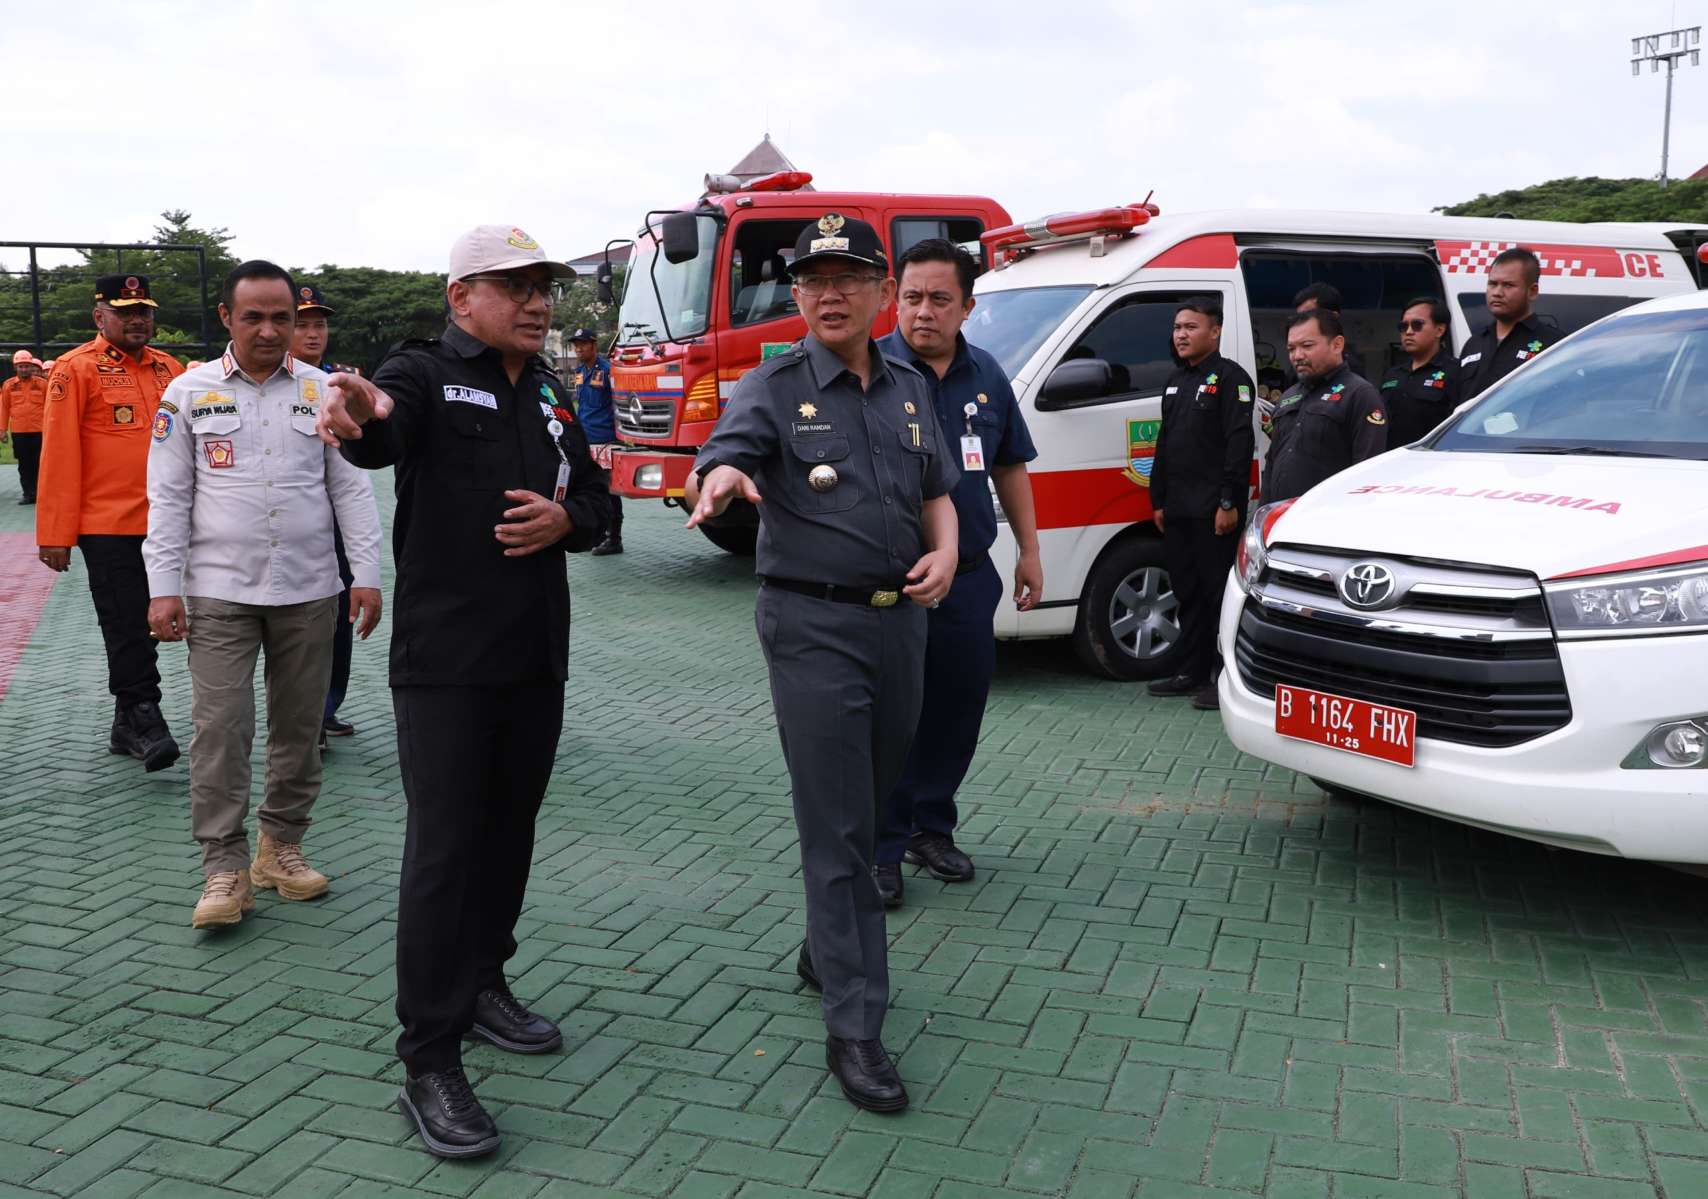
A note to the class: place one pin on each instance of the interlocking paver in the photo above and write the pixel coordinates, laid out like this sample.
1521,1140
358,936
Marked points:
1179,972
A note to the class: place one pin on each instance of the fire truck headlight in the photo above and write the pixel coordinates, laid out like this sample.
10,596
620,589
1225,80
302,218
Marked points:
649,478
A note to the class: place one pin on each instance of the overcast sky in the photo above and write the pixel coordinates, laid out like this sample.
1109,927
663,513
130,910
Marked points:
371,133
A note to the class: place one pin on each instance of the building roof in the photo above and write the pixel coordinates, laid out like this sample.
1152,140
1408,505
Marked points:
588,263
1701,173
763,159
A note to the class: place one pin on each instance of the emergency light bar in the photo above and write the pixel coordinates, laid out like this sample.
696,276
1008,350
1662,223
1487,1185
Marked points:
1068,226
779,181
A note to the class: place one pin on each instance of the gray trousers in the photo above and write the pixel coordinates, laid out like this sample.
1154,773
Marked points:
224,639
846,683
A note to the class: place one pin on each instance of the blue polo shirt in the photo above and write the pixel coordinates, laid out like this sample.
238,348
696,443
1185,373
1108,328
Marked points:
972,378
592,388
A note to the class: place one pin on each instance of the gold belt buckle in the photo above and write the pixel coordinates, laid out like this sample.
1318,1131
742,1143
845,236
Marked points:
885,599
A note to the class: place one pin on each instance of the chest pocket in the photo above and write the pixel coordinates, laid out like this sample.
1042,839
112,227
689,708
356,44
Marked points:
221,424
918,444
123,411
475,449
1322,429
807,454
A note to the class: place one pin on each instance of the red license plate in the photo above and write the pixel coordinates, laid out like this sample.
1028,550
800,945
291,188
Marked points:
1353,725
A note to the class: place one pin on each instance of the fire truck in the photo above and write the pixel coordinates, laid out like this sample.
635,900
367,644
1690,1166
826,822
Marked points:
707,298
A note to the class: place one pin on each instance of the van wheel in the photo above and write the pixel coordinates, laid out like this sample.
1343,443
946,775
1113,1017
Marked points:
740,540
1129,618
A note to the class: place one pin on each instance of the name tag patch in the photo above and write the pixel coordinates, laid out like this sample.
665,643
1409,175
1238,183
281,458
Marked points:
309,410
471,395
807,427
1470,358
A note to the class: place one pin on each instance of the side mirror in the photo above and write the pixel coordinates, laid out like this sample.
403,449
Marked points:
604,277
681,235
1076,381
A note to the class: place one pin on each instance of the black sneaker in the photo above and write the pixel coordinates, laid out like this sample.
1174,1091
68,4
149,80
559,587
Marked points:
1180,684
866,1074
888,877
446,1114
121,738
152,740
938,854
510,1026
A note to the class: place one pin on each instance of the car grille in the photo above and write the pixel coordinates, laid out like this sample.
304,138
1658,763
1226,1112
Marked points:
1469,649
645,418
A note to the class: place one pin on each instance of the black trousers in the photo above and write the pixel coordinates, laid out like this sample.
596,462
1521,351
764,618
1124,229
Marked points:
475,761
28,448
1198,565
118,583
343,648
615,531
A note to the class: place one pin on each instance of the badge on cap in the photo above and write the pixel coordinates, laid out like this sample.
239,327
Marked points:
306,293
822,478
521,240
830,224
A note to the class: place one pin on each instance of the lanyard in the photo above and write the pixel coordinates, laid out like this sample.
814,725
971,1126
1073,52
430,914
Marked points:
554,430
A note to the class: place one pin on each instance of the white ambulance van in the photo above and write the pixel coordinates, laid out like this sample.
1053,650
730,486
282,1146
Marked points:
1505,623
1079,309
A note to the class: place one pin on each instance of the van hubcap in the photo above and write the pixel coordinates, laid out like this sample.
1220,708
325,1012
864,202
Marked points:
1144,615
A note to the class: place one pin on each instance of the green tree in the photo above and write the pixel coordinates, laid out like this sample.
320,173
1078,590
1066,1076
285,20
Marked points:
374,309
1593,199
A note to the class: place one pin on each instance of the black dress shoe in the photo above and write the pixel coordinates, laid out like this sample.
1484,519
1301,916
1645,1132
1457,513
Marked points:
803,967
451,1121
938,854
333,727
865,1073
510,1026
888,878
611,545
151,740
1180,684
1206,699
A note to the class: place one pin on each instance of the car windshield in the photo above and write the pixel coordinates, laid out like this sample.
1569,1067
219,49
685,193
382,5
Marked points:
1632,386
1011,325
684,287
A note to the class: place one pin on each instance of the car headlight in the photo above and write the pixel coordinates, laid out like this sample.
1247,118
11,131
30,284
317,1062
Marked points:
1658,601
1254,544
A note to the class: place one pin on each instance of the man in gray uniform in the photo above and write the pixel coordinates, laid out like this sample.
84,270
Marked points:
857,538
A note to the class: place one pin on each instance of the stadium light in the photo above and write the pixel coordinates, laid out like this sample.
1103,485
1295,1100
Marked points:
1681,44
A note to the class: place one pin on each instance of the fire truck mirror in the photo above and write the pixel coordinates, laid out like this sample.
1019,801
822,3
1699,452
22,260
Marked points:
1076,381
604,277
681,237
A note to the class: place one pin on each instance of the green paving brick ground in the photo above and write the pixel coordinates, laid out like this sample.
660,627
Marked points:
1177,974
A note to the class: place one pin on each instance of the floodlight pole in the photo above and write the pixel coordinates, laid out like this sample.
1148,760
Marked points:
1685,43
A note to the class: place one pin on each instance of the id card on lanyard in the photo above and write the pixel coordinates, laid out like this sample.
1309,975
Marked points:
972,445
554,429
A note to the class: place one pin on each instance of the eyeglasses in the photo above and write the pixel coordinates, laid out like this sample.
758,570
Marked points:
845,285
1414,326
519,289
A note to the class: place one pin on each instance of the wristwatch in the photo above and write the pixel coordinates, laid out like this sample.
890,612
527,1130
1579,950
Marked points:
1227,505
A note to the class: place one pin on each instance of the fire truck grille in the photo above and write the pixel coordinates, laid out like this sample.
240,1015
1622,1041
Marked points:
644,419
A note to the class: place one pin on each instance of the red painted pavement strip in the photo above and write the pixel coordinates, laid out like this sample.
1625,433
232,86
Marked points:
24,585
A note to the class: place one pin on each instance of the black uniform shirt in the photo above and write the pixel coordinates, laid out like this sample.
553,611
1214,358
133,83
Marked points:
1203,452
803,410
1418,400
1486,359
1321,427
460,436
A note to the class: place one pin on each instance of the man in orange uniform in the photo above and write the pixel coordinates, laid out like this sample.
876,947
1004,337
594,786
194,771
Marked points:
101,401
21,400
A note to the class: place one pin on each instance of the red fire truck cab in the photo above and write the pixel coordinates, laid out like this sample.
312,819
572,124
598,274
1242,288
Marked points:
707,298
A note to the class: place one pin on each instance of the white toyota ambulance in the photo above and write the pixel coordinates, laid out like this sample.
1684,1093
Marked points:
1507,622
1079,309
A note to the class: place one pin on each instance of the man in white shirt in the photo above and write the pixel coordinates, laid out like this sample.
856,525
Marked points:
242,495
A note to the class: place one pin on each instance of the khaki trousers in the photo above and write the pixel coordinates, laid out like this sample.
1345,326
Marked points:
224,638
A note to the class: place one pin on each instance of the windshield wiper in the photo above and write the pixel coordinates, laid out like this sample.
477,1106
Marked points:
647,332
1595,451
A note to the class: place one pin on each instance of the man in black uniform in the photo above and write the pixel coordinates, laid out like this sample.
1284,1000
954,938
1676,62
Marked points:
856,521
1200,482
1421,395
494,484
1327,421
1514,336
1327,295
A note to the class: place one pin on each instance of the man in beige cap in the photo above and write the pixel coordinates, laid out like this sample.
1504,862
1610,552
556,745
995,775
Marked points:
494,485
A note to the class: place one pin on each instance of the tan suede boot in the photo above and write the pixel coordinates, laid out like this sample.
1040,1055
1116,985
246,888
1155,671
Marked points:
225,897
281,864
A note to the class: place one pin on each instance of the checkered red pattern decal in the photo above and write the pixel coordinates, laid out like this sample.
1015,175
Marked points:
1580,262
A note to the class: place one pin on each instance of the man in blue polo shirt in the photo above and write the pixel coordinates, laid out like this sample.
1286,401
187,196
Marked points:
590,378
981,420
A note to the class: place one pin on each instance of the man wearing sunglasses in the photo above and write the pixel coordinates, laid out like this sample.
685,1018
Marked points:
1421,394
494,484
842,450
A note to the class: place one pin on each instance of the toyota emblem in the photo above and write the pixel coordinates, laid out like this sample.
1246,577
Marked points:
1368,585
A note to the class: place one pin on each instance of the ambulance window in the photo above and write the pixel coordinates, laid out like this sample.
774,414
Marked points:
1566,313
759,277
1136,339
908,231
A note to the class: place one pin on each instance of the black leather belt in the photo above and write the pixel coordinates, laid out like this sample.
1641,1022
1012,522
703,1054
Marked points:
866,597
968,565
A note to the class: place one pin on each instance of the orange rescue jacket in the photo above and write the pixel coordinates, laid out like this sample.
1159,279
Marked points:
94,471
21,404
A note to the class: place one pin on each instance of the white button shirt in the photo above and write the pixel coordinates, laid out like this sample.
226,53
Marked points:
241,493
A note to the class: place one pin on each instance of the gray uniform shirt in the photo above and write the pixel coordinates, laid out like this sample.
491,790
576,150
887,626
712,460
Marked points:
805,409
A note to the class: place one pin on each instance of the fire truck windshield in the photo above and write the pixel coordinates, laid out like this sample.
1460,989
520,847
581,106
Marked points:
1011,325
685,289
